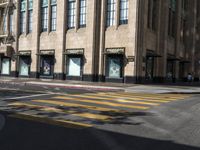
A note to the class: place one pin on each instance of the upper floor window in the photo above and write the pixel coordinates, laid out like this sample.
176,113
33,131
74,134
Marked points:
71,14
111,11
30,16
152,14
82,16
4,23
11,23
23,16
172,18
183,21
53,14
44,15
123,12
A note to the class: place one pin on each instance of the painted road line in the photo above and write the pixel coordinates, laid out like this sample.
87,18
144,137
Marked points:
102,103
94,116
150,96
133,97
59,122
153,97
123,97
106,97
119,99
52,109
87,96
136,102
85,106
30,96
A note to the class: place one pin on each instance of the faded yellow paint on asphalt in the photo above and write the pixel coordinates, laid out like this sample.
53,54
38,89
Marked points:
120,99
88,96
52,109
102,103
60,122
140,97
59,103
93,116
172,96
135,102
123,97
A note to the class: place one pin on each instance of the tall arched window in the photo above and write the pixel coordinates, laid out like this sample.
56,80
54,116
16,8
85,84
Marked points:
123,12
44,15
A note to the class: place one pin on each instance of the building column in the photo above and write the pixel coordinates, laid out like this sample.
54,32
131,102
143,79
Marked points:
35,68
163,38
102,41
117,15
139,59
49,16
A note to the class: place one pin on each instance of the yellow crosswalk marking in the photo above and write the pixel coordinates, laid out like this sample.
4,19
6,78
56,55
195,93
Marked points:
108,97
93,116
60,122
173,96
124,97
116,100
136,102
102,103
51,109
143,96
88,96
96,108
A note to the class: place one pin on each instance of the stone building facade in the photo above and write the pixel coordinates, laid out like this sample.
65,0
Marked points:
130,41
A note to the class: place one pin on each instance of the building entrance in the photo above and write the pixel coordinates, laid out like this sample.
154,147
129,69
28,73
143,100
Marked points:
149,68
5,66
74,66
24,65
46,65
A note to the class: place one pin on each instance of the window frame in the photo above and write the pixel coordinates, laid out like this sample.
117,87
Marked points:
30,16
172,18
44,16
23,16
123,18
53,20
71,14
82,13
111,13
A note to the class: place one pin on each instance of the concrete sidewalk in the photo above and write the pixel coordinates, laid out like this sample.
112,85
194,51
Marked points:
134,88
164,89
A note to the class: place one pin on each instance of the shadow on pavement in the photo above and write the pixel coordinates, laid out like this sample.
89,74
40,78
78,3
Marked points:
116,117
28,135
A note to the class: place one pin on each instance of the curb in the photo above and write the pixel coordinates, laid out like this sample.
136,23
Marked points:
182,93
75,86
60,85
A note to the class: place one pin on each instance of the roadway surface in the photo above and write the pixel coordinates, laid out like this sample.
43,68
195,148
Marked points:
47,118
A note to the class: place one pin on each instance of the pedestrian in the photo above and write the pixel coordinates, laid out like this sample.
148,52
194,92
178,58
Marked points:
189,77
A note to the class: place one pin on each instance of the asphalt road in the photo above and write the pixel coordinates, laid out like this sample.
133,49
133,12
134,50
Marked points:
174,125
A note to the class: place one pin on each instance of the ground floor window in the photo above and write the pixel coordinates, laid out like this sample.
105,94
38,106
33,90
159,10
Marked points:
149,67
5,66
24,65
47,65
74,65
181,70
114,65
